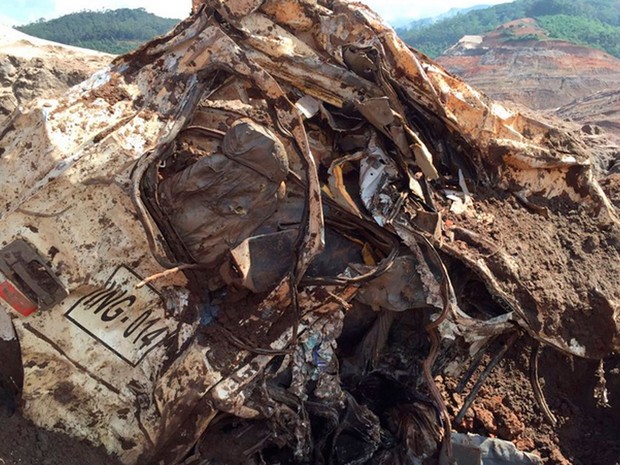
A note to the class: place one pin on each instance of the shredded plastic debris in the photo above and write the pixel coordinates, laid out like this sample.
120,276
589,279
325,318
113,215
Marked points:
256,235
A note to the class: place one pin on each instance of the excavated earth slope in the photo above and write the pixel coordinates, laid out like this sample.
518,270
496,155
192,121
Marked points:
518,63
601,109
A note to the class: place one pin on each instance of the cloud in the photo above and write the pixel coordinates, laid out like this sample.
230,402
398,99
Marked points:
18,12
392,10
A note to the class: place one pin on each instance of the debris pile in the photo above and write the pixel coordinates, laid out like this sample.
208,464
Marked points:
268,236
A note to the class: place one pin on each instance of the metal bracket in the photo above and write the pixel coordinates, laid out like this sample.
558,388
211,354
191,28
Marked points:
28,277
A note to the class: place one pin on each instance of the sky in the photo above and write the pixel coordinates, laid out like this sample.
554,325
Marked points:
18,12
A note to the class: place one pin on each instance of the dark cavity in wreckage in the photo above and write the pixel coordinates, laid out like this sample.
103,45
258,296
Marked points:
259,238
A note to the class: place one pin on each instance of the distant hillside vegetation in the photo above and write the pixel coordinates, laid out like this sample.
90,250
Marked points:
595,23
111,31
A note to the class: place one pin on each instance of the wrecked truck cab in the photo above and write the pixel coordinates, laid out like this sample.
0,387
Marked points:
211,213
75,217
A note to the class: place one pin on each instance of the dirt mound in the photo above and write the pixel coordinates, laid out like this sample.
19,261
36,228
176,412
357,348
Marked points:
36,68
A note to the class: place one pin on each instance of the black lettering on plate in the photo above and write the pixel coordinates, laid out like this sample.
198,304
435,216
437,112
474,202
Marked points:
127,320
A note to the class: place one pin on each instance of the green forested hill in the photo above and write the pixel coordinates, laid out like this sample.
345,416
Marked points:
116,31
595,23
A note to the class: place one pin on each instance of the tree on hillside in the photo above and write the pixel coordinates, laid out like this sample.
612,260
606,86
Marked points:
112,31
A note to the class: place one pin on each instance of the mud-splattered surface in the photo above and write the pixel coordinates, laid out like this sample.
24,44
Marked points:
22,443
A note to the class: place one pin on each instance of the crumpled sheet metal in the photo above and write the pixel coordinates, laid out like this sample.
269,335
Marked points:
89,152
510,151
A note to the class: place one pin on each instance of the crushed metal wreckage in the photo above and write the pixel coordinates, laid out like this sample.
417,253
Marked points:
250,240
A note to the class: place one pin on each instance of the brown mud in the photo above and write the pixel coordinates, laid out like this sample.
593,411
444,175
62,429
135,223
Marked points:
22,443
586,434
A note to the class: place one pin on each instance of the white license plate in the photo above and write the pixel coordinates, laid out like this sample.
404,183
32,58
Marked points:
128,320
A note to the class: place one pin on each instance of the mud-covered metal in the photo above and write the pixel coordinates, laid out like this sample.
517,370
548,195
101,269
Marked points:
242,209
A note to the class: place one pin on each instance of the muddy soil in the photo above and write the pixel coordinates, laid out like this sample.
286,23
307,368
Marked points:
586,434
22,443
611,186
